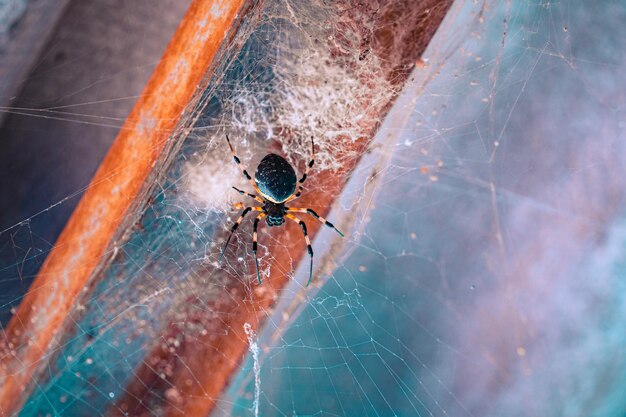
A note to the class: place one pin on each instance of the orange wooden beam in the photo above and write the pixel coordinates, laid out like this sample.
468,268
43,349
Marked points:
121,178
188,379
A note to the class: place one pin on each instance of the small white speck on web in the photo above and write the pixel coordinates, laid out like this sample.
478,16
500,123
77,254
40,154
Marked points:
254,349
217,10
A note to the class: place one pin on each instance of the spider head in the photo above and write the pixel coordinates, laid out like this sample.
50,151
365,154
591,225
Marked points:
275,220
275,214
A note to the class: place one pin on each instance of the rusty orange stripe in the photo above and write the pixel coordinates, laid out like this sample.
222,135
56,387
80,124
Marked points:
115,186
201,367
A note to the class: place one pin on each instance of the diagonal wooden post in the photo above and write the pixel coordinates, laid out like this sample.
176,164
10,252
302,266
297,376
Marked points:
188,378
145,136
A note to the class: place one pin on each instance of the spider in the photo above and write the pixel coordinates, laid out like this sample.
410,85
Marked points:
275,182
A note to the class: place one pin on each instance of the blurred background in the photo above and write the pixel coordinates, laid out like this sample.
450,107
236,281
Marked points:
70,72
485,269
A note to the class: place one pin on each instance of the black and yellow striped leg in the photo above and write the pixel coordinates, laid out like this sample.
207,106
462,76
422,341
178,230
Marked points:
308,243
243,170
306,172
257,198
236,225
314,214
254,244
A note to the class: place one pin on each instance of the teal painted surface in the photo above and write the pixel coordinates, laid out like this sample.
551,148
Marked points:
498,286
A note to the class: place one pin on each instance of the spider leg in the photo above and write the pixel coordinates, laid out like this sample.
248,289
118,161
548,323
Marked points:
314,214
254,244
257,198
238,162
236,225
304,176
308,242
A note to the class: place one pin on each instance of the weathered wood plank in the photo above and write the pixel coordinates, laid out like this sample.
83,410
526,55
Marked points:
201,366
146,134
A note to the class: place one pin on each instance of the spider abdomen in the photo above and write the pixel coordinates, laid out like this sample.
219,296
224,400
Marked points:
276,178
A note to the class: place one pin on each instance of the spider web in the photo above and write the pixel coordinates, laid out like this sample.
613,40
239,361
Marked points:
484,270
